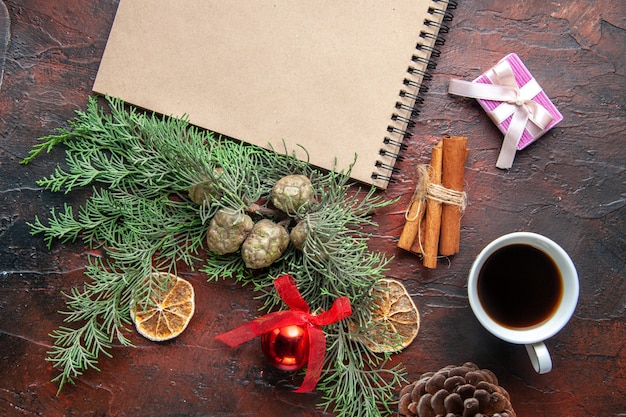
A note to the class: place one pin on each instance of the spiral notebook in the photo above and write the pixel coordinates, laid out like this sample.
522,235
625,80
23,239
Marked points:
326,80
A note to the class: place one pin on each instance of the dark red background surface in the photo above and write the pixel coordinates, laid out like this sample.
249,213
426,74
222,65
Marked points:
570,186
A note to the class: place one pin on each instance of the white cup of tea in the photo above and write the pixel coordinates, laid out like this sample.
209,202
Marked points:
523,288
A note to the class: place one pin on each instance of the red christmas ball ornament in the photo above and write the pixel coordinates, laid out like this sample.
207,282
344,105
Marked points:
292,338
286,348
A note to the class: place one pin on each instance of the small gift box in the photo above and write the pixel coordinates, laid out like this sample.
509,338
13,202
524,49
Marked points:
515,102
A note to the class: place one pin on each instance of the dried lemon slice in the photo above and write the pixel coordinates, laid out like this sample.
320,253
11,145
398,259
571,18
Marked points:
170,311
395,317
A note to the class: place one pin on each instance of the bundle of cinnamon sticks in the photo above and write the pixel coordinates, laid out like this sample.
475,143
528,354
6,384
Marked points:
433,223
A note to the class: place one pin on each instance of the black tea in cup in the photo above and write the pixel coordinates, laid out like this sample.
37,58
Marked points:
519,286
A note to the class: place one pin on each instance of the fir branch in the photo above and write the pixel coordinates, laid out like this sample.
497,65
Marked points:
335,262
356,383
139,219
47,143
219,267
77,350
61,225
141,168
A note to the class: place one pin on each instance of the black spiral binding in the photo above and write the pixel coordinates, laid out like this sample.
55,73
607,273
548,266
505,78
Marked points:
427,47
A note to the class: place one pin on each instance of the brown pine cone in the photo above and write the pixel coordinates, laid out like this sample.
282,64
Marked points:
456,391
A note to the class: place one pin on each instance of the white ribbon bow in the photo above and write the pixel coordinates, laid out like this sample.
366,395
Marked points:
527,114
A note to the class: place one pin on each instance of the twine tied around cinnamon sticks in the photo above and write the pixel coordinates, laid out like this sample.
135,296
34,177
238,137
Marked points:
433,217
426,189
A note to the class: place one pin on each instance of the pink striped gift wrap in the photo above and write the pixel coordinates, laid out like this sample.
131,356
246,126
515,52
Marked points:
522,77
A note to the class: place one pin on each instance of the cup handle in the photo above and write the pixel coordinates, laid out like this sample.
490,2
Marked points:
539,357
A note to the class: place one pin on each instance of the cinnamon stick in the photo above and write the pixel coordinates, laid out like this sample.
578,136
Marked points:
410,232
452,177
433,211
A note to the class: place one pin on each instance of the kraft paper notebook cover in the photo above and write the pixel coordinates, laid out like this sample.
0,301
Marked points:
334,78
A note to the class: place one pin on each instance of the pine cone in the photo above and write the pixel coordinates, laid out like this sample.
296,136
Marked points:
292,192
456,391
205,189
266,243
299,234
227,231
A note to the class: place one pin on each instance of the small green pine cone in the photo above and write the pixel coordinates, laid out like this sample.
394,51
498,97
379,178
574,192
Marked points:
292,192
299,234
227,231
205,189
265,244
318,248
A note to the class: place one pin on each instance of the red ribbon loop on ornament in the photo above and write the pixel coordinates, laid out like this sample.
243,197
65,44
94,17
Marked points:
298,315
